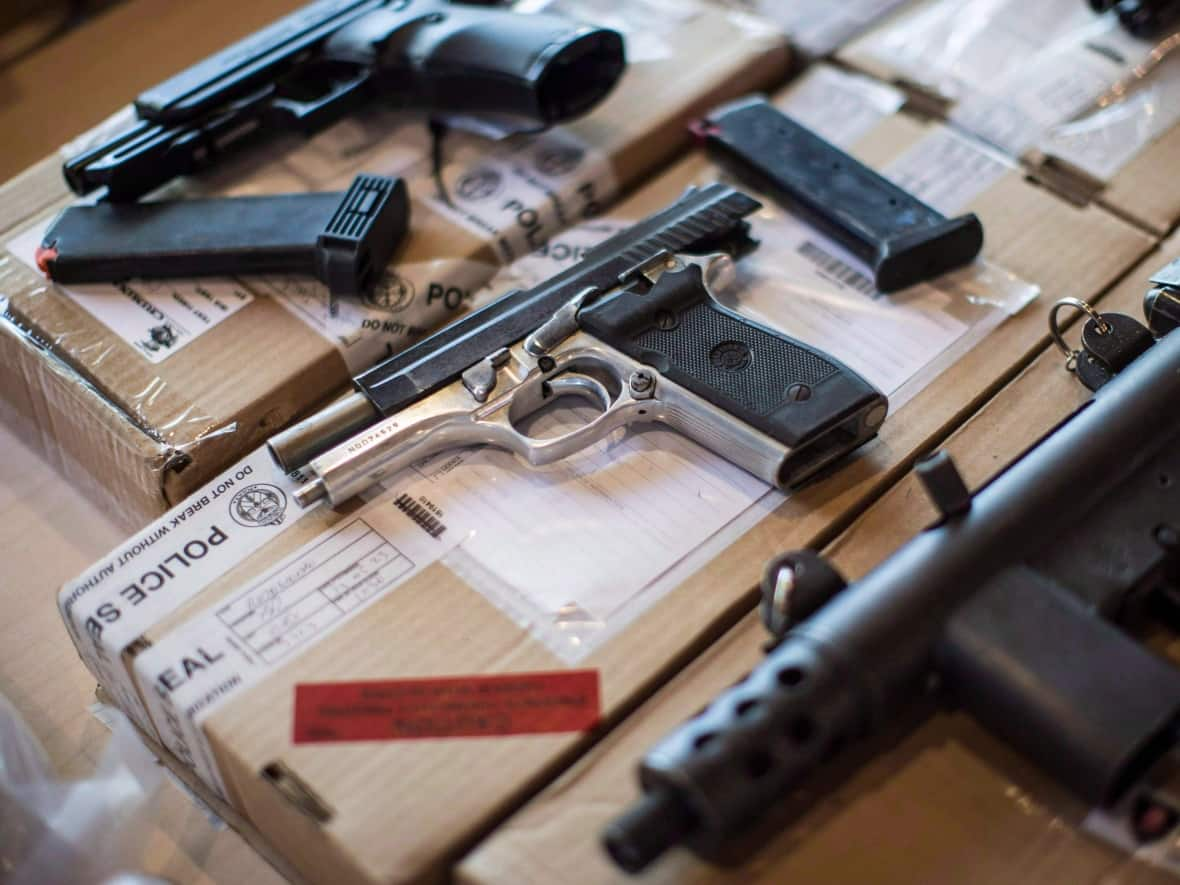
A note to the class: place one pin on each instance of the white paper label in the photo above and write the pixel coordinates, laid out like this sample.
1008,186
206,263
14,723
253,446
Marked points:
169,562
574,542
519,192
830,313
1103,142
1029,75
235,643
957,46
840,106
820,26
408,302
1014,112
578,549
946,170
156,317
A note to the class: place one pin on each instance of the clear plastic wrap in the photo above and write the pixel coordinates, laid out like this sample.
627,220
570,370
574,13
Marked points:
84,831
1127,117
185,372
819,26
1052,77
691,503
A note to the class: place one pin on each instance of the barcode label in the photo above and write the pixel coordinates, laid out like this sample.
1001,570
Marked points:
837,269
426,520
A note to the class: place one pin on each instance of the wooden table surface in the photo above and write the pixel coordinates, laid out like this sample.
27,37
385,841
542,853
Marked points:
47,536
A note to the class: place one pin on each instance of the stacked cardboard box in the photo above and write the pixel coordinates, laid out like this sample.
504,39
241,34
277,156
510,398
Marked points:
934,798
141,393
1090,109
817,28
194,627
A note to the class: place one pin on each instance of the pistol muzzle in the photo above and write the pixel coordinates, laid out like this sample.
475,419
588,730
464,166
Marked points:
314,435
658,821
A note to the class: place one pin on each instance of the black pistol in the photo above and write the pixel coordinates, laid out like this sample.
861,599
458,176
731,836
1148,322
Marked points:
312,67
1020,600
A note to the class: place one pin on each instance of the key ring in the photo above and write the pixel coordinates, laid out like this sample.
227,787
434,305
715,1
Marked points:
1102,327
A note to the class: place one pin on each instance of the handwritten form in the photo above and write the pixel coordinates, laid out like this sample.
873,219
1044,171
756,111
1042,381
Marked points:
577,549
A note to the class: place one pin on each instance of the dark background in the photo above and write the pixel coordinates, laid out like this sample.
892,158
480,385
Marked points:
66,66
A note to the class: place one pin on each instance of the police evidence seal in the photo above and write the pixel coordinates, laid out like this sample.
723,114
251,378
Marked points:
480,183
392,293
257,505
555,161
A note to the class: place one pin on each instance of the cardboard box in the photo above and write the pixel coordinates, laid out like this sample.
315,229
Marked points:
1089,109
334,808
935,799
817,28
157,387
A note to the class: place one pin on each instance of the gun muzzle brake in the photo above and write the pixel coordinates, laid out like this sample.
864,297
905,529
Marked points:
657,822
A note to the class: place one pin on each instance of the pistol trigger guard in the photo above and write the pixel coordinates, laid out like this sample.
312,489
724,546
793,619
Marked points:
616,412
576,384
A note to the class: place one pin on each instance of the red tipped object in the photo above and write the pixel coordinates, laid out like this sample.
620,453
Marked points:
702,129
43,256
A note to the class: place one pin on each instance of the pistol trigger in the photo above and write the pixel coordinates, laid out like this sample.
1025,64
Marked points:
480,379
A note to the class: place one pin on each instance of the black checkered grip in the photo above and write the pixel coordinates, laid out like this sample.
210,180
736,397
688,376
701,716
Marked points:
773,383
735,358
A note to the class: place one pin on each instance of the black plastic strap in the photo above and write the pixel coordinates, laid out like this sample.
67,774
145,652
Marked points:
903,239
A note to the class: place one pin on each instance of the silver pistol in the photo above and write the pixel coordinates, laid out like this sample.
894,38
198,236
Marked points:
649,343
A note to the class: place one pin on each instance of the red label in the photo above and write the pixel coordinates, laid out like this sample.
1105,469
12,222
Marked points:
462,706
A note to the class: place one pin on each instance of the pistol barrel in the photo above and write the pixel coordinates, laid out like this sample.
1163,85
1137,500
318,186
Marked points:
314,435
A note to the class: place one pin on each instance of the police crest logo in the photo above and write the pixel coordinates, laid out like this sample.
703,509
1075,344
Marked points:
392,294
480,183
258,505
558,161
